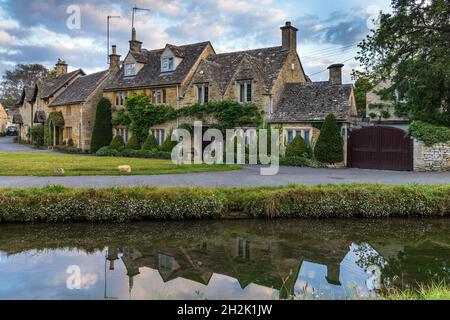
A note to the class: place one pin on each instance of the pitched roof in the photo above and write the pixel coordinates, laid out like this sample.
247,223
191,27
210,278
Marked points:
48,88
313,102
27,95
80,89
17,118
222,68
151,75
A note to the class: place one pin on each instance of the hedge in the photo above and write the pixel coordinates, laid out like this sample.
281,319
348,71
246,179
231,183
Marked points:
429,134
57,204
128,153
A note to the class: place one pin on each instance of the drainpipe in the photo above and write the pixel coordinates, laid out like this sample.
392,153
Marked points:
178,106
80,134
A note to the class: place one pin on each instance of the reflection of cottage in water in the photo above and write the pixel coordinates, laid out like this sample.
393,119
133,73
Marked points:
289,270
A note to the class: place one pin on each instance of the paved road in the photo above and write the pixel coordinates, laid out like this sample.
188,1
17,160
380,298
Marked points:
7,145
248,177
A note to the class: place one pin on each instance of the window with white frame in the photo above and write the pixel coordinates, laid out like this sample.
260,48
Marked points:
159,96
202,91
160,135
245,91
291,134
130,69
167,64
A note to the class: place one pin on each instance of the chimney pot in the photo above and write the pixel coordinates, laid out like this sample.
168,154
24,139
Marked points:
135,45
114,60
289,36
61,68
336,73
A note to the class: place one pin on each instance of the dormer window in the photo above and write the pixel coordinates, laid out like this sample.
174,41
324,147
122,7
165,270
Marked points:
167,64
130,69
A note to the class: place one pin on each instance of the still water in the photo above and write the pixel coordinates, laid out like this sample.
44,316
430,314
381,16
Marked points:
221,260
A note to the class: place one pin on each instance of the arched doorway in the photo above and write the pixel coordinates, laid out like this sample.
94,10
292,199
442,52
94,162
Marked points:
381,148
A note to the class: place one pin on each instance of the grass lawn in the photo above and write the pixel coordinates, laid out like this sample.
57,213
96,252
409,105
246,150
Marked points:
44,164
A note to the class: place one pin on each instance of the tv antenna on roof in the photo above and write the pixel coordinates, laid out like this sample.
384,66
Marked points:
136,9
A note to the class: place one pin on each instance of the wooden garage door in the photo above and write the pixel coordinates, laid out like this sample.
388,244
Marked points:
382,148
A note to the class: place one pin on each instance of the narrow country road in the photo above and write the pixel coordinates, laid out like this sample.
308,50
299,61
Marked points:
248,177
7,145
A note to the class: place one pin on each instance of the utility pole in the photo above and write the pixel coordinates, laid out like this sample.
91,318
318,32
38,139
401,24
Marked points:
107,32
136,9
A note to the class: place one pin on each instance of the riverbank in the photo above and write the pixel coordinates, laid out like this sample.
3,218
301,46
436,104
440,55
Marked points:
56,204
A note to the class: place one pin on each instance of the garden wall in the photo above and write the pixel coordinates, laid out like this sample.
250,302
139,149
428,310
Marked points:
433,158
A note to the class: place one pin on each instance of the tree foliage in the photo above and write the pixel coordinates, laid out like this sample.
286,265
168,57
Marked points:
102,132
329,147
14,81
410,47
362,87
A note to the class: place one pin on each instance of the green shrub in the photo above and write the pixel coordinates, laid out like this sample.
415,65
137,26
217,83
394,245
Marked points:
38,135
151,143
102,132
329,147
429,134
69,149
168,144
133,143
106,152
300,162
2,134
117,143
297,148
58,204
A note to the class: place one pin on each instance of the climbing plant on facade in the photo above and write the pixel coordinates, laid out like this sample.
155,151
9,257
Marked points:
140,115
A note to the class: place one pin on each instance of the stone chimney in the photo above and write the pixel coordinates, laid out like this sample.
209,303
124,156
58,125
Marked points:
61,68
135,45
289,36
114,60
336,73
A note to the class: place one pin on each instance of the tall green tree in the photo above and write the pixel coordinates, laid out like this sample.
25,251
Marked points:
13,81
362,87
102,133
411,48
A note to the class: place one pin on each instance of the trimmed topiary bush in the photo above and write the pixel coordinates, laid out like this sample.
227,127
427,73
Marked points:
168,144
117,143
297,148
151,143
330,145
133,143
102,132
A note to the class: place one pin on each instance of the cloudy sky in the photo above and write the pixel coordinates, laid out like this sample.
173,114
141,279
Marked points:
36,31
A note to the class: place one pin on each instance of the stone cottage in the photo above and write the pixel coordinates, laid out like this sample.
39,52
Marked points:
77,107
3,118
161,74
304,106
35,99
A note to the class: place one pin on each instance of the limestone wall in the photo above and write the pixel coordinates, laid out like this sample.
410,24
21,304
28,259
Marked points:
434,158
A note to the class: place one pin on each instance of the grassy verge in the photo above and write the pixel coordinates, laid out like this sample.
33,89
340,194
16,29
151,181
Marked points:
58,204
434,291
31,164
